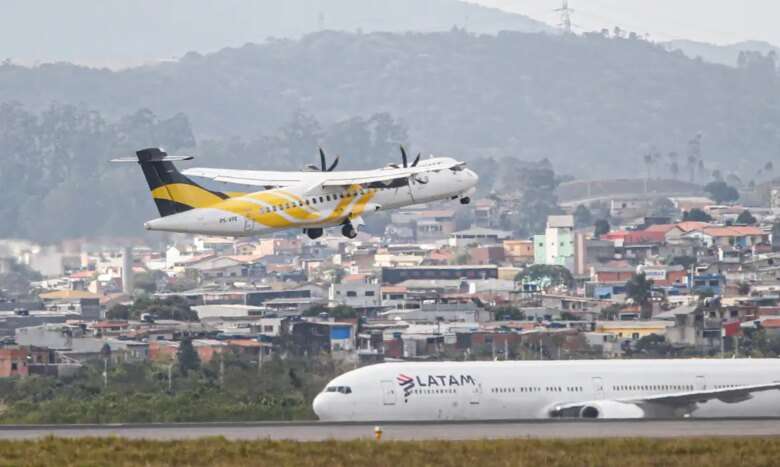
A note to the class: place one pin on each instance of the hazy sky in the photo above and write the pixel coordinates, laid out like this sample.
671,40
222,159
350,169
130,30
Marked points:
717,21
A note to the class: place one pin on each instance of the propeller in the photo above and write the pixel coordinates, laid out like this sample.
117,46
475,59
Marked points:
404,158
323,164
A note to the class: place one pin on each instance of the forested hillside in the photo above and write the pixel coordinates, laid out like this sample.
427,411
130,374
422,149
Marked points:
121,33
595,106
590,102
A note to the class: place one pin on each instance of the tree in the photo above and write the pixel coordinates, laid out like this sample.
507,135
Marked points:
601,227
508,313
746,218
653,345
187,357
146,282
547,275
338,312
118,312
105,351
662,207
640,290
721,192
582,216
696,215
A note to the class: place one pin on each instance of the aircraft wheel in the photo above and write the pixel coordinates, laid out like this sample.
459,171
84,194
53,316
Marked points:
349,231
465,200
313,233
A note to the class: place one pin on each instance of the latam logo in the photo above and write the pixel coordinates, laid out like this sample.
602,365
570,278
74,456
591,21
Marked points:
409,383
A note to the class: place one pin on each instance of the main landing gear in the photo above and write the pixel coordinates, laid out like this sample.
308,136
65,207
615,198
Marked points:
465,200
313,233
348,230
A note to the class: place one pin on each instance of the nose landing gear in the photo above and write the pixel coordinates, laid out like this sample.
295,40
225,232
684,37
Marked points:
348,230
465,200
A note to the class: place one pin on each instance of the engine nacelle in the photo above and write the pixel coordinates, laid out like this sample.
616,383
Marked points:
596,409
610,409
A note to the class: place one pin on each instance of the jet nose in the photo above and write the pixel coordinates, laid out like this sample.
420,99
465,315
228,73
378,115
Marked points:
473,177
318,406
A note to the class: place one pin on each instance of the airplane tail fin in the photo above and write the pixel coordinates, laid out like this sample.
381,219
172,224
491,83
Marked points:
172,192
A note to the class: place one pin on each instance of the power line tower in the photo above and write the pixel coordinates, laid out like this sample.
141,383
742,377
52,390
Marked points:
565,13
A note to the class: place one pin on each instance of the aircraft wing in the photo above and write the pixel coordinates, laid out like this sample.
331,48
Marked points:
311,180
729,395
374,176
664,404
254,177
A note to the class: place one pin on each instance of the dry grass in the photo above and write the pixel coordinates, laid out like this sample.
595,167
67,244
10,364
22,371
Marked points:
712,452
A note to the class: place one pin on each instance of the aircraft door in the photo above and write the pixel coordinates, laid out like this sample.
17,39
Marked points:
388,393
598,387
249,225
476,394
701,383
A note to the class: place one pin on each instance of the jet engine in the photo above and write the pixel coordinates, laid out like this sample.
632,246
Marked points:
610,409
597,409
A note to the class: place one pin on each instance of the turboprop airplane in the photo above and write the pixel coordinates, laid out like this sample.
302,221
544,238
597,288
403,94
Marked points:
406,391
310,200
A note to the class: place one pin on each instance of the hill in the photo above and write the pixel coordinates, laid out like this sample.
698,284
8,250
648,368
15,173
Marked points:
591,103
722,54
119,33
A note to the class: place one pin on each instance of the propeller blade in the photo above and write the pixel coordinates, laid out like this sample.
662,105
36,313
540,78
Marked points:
403,155
334,164
322,159
416,160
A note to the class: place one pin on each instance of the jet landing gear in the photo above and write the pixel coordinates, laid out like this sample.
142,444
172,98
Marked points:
465,200
348,230
313,233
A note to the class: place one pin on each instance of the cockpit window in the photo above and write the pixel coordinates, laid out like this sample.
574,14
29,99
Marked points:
341,389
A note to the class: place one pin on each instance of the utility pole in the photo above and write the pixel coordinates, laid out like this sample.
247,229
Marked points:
565,13
170,378
221,370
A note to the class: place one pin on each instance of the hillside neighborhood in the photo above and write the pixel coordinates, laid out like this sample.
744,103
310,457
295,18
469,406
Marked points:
635,285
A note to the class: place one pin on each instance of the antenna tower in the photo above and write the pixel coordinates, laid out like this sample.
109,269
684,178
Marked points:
565,13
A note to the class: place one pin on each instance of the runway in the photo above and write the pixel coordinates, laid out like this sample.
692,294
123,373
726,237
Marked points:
314,431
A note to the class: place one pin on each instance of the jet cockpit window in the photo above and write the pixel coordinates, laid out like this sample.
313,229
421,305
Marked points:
340,389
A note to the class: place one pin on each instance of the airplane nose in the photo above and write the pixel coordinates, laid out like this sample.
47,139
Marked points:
473,176
318,406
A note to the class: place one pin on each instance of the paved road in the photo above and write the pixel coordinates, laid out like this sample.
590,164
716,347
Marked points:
413,431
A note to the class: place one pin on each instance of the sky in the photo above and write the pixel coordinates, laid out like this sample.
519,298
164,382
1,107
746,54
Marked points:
715,21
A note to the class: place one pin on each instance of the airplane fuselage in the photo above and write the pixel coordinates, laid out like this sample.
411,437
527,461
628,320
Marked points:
534,390
271,210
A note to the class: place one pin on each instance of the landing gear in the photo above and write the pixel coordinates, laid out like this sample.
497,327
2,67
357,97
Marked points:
465,200
313,233
348,230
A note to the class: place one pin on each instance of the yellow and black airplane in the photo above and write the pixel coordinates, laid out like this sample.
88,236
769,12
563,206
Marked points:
311,200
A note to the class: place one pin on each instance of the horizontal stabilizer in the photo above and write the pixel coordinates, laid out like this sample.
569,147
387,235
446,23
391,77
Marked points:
152,155
166,158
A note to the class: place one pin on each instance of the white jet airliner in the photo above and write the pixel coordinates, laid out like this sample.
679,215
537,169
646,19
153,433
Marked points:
310,200
553,389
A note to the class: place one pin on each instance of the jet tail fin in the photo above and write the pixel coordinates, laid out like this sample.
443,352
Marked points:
172,192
